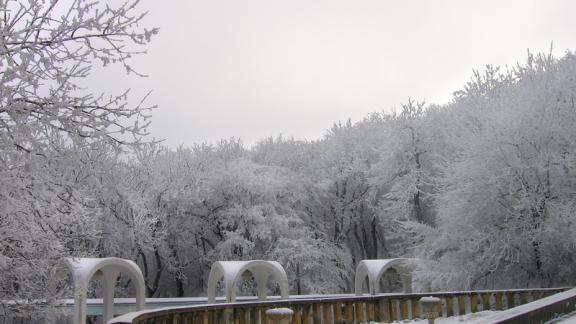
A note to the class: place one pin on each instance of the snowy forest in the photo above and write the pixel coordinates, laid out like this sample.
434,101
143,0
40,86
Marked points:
480,189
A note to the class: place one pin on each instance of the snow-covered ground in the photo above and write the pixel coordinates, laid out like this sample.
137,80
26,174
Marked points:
569,318
453,319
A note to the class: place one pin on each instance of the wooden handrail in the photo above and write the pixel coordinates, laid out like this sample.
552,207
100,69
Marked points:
346,309
536,311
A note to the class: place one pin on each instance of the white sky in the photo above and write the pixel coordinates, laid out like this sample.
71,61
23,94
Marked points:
259,68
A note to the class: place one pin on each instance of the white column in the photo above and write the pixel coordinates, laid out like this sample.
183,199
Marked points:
230,289
80,302
109,282
407,282
261,280
375,286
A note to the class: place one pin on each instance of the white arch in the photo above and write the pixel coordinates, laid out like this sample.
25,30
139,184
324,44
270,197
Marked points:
232,271
374,269
84,269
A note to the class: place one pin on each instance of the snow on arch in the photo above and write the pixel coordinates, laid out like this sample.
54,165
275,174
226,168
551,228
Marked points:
374,269
231,272
84,269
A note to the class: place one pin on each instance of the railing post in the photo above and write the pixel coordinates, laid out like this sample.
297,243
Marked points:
545,293
258,318
338,313
297,318
239,316
370,311
327,312
359,310
396,311
317,316
430,307
461,305
538,294
498,301
349,312
524,298
263,316
474,303
279,315
511,300
529,297
415,308
307,309
384,310
403,309
449,306
486,301
252,315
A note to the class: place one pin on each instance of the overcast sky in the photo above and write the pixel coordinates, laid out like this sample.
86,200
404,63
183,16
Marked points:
253,69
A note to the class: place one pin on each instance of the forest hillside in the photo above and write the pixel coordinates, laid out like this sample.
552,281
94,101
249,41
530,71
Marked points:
480,189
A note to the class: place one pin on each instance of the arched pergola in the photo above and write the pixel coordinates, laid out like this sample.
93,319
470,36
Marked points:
231,272
84,269
374,269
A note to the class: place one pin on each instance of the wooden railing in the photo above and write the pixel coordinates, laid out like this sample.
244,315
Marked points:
350,309
540,311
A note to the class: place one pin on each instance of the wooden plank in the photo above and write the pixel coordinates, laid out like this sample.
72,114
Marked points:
349,312
511,299
252,314
383,311
228,316
415,308
461,305
474,303
486,301
224,316
529,297
297,318
498,298
266,319
306,309
240,316
394,310
404,309
537,294
236,316
317,316
338,313
524,298
205,318
370,311
449,307
360,311
327,313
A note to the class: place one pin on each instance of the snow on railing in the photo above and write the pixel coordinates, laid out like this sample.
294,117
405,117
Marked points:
345,309
537,311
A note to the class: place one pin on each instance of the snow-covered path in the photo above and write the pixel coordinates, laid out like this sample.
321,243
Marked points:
569,318
452,319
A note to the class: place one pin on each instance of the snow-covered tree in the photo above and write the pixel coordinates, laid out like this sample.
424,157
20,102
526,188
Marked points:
58,141
505,206
48,47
